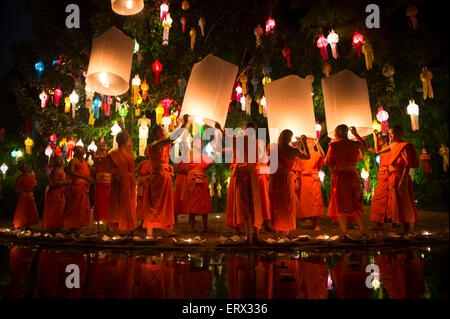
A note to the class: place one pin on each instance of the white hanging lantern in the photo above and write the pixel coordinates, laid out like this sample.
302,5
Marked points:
73,98
166,122
110,63
413,111
92,147
115,129
48,152
4,169
167,24
143,124
127,7
333,39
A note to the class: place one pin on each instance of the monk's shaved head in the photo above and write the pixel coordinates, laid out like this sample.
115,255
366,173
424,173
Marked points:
341,131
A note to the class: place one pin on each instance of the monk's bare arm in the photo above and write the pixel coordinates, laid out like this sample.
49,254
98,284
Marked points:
72,170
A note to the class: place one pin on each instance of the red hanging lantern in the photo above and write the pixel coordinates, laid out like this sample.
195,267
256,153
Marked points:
322,44
70,146
58,94
183,23
357,42
164,8
157,68
426,158
382,117
287,54
270,25
53,140
58,151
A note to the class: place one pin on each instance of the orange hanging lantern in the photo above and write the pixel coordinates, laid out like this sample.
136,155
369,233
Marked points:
28,144
326,69
144,88
157,68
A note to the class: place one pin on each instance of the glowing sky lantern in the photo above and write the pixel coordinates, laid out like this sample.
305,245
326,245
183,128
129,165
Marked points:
157,68
270,25
208,90
4,169
44,98
110,63
322,44
39,67
48,152
73,98
58,94
333,39
28,144
127,7
115,129
357,42
346,100
413,111
164,9
382,117
290,106
167,24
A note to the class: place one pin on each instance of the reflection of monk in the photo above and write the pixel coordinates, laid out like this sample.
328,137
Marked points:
345,194
190,281
156,280
241,277
96,278
20,260
48,275
119,277
102,187
26,213
311,276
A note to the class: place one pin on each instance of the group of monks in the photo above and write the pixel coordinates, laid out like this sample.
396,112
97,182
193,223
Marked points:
256,196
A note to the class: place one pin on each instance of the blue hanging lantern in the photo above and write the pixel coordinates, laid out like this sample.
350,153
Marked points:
39,66
96,107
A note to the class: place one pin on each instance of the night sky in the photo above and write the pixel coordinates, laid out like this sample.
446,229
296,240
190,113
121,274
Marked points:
16,26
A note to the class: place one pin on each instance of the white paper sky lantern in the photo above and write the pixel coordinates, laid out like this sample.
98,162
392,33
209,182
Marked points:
346,100
209,89
110,63
290,106
127,7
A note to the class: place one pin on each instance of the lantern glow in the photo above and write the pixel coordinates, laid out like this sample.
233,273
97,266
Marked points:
413,111
322,44
127,7
270,25
157,68
4,169
333,39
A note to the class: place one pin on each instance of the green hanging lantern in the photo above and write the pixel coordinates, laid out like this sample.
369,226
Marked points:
123,111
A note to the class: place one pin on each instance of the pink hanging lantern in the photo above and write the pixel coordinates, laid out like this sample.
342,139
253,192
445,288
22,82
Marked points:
382,117
318,130
164,9
166,103
58,94
270,25
426,158
287,54
322,44
357,42
108,106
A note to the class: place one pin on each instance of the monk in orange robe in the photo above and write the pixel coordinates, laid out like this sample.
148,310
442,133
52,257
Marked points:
378,207
346,195
297,170
181,169
78,213
311,202
56,197
283,198
120,164
102,188
263,172
230,211
144,169
26,213
403,156
160,193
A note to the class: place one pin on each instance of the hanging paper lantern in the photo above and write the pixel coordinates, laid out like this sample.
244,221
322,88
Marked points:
92,147
322,44
185,5
96,107
270,25
413,111
377,159
167,24
173,119
411,13
4,169
211,189
426,158
357,42
127,7
376,126
135,83
382,117
123,111
326,69
157,68
183,21
318,130
264,106
244,80
266,71
58,94
166,122
219,190
144,88
322,177
108,106
73,98
53,140
368,54
365,177
136,46
89,96
44,98
444,152
258,32
255,84
242,101
426,77
159,114
39,66
70,146
192,34
333,39
164,9
110,63
28,144
181,85
16,155
238,92
202,23
80,143
115,129
389,71
48,152
166,103
287,54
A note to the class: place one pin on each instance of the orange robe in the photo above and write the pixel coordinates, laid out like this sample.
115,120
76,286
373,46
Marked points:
378,207
230,212
241,278
283,198
122,207
311,202
311,279
48,274
20,261
119,277
142,188
350,284
297,170
179,206
263,183
195,192
190,282
285,285
102,193
95,283
26,213
345,192
160,193
264,280
55,204
401,207
156,280
78,213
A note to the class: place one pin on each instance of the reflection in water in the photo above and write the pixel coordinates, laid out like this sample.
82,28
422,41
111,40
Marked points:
261,275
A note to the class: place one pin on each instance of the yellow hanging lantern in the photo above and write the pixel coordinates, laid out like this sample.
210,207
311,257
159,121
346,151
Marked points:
159,114
173,120
326,69
258,100
143,124
426,77
244,81
443,151
91,117
211,190
192,34
135,83
219,190
167,24
28,144
368,54
67,104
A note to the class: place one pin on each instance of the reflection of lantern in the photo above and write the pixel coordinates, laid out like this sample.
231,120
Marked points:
346,100
110,63
426,158
157,68
411,13
258,32
208,90
58,94
48,152
28,144
321,177
127,7
322,44
44,98
318,130
426,77
4,169
167,24
365,177
144,88
270,25
159,114
357,42
382,117
39,66
164,9
290,106
73,98
115,129
287,54
413,111
333,39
